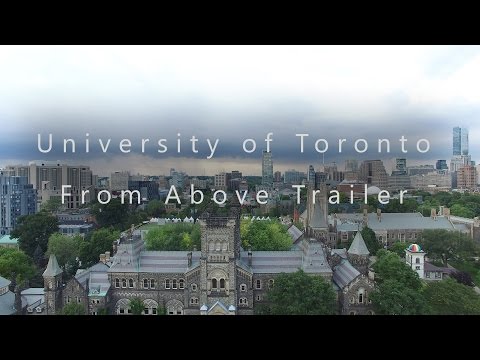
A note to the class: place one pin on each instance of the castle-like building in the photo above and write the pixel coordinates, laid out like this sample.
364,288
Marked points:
221,278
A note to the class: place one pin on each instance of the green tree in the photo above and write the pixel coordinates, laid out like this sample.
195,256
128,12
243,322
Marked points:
66,249
463,211
137,306
392,297
33,230
300,294
443,245
155,208
449,297
173,237
99,242
266,236
73,309
370,240
399,248
53,205
15,264
113,214
389,266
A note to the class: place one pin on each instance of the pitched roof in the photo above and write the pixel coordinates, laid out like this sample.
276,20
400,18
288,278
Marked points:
358,246
318,219
4,282
53,269
344,274
295,233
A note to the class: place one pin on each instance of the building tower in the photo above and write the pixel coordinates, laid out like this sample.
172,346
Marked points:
52,278
460,141
358,253
267,168
415,258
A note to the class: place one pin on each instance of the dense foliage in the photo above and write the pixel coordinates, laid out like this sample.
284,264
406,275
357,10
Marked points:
264,235
299,294
170,237
16,265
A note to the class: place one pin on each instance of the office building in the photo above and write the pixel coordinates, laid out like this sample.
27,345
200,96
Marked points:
373,173
267,168
119,180
467,177
441,165
17,198
460,141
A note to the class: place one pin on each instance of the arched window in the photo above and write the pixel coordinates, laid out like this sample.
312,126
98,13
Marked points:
181,284
167,283
370,312
214,283
361,295
222,283
243,287
218,246
124,283
417,260
152,283
194,301
145,283
122,306
174,307
117,283
130,283
352,300
243,301
194,287
271,282
211,246
150,307
174,283
225,246
258,284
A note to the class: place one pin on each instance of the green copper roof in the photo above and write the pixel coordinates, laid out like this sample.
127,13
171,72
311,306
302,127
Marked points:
7,239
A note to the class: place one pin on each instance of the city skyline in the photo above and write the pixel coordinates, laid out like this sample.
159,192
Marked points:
235,93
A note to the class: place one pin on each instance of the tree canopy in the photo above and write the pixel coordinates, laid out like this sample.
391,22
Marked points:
370,240
448,297
137,306
99,242
398,290
443,245
399,248
300,294
171,237
16,265
33,230
264,235
113,214
66,249
73,309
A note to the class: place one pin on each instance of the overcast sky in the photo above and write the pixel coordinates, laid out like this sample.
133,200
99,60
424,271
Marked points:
233,93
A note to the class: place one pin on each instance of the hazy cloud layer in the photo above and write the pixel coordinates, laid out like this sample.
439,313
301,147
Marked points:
234,93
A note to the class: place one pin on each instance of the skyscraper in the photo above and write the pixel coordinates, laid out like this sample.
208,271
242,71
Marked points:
17,198
460,141
441,165
401,164
267,168
311,174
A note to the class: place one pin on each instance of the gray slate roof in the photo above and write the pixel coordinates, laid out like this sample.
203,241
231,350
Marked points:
53,269
4,282
400,221
295,233
7,302
344,274
95,278
318,218
358,246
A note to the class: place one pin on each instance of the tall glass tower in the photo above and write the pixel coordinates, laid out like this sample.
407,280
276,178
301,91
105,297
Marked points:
267,168
460,141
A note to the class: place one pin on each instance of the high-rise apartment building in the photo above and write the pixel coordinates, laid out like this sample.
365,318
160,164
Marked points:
351,165
17,198
460,141
467,177
267,168
48,177
372,172
311,175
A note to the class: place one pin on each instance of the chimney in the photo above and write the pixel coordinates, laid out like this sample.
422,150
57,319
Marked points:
189,257
107,256
446,212
250,257
433,214
379,215
102,258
